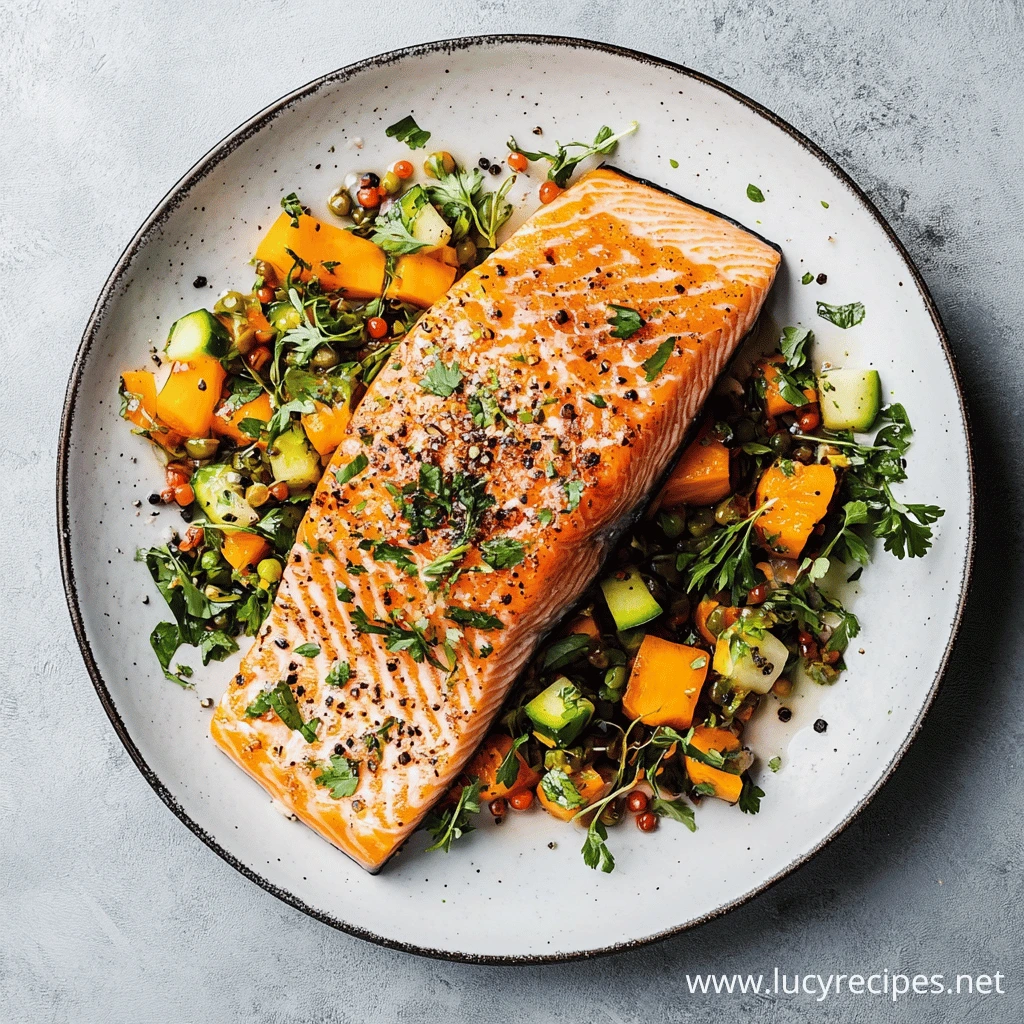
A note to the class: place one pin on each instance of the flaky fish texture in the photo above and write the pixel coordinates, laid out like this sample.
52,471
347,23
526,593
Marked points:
552,435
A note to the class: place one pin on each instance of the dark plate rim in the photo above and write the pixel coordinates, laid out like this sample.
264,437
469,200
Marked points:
171,201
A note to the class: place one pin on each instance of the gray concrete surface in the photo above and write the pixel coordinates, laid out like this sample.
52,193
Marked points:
109,908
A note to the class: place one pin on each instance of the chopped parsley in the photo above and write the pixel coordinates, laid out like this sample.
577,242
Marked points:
469,617
442,380
447,826
341,777
340,674
754,194
291,205
654,364
352,469
846,316
308,650
625,322
502,552
282,702
408,131
508,770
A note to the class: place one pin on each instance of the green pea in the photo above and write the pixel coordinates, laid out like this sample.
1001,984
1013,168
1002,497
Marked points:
672,524
340,202
391,183
726,513
701,522
269,570
202,447
325,358
465,252
257,495
209,560
230,302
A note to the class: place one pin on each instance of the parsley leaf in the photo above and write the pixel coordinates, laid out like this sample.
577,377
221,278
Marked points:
397,638
678,810
754,194
455,823
807,278
352,470
573,494
775,764
342,777
750,797
654,364
281,700
563,164
568,649
502,552
383,552
442,380
307,650
343,592
559,789
625,322
469,617
408,131
508,770
842,316
291,205
595,848
340,674
793,345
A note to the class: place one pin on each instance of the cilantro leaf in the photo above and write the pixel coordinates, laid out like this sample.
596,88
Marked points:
502,552
281,700
677,809
563,164
469,617
793,345
654,364
408,131
442,380
342,777
399,556
842,316
595,848
291,205
343,592
625,322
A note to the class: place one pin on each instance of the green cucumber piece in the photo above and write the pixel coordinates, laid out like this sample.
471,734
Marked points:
559,713
197,334
850,399
218,490
294,461
283,316
749,656
425,224
629,601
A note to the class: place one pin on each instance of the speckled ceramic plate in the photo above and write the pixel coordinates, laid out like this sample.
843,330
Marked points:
523,893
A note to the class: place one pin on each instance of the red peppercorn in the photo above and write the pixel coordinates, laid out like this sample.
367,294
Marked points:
647,822
376,327
549,191
517,161
758,594
810,419
265,294
637,801
498,807
279,490
522,801
368,198
403,169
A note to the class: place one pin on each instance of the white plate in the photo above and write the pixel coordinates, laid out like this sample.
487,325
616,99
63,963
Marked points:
522,893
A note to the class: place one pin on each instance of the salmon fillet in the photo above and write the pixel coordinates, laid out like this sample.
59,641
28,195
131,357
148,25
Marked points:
522,475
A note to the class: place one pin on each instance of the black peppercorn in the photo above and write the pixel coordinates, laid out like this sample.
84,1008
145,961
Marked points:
561,317
281,642
485,164
495,168
822,278
154,499
631,395
785,714
369,180
820,725
568,411
199,282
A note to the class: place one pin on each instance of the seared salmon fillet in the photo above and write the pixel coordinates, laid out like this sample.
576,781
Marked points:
485,476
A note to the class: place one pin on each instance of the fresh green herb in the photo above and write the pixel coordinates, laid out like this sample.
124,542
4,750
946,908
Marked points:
502,552
775,764
654,364
559,789
412,639
573,494
754,194
595,848
565,651
676,809
352,469
291,205
823,203
436,500
340,674
793,346
392,234
398,556
308,650
469,617
343,592
281,700
842,316
563,164
807,278
673,163
727,563
625,322
545,516
597,401
508,770
409,132
750,797
442,380
465,205
704,789
341,778
453,824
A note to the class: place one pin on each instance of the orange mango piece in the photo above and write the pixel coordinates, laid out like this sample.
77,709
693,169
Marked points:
701,476
590,785
226,422
775,404
665,683
486,762
446,254
360,263
141,409
326,425
704,609
243,550
586,625
801,500
727,785
189,396
420,280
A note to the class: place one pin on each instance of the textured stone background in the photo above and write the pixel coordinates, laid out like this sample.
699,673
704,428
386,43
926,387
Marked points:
109,908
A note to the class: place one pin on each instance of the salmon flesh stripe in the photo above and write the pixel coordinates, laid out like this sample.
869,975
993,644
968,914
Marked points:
552,436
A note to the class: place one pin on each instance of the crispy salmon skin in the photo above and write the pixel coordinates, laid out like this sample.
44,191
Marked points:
476,496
